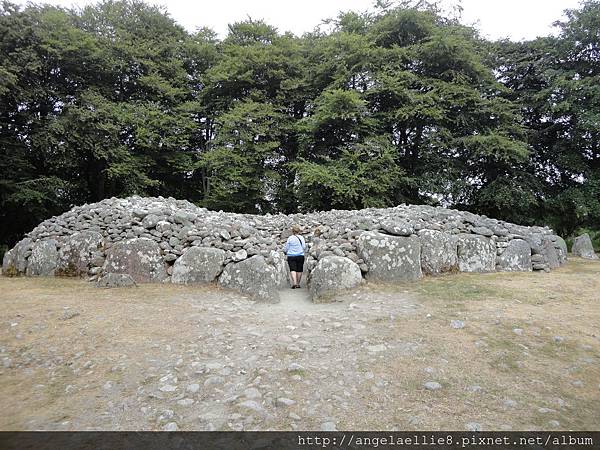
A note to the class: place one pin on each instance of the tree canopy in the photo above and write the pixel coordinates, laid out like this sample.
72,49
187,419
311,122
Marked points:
400,105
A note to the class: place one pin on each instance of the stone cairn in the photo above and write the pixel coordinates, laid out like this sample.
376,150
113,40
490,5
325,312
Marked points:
119,242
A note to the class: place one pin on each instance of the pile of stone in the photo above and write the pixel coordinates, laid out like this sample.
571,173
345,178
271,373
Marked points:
119,242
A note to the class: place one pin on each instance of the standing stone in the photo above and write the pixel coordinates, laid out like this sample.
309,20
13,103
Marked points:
561,248
43,260
550,253
8,264
16,262
331,275
582,247
252,276
279,263
476,253
198,265
390,258
515,258
77,253
138,257
439,252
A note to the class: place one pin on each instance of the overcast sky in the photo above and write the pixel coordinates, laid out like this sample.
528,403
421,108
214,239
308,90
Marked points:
515,19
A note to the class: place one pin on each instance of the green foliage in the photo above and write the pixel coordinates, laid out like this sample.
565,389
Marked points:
363,176
400,105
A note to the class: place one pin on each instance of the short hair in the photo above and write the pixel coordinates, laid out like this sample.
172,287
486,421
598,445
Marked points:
296,229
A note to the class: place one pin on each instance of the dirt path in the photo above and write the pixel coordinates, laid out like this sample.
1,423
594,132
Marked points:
523,352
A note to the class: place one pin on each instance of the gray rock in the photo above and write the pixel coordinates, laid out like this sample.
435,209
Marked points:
43,260
515,258
561,248
150,221
328,426
282,401
251,405
476,253
397,228
582,247
8,263
139,257
550,254
278,261
432,386
198,265
240,255
439,252
483,231
473,426
21,252
295,367
457,324
112,280
332,275
171,426
253,277
390,258
77,253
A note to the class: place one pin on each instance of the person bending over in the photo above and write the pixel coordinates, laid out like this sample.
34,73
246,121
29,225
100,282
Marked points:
294,249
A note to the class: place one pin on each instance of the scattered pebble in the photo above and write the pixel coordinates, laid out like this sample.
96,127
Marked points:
171,426
432,386
328,426
474,426
457,324
282,401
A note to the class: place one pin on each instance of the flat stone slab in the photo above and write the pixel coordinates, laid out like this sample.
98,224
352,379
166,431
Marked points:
140,258
390,258
476,253
515,258
198,265
332,275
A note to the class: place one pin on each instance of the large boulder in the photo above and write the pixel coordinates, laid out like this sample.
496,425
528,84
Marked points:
14,261
439,252
515,258
390,258
550,253
535,240
561,248
139,257
198,265
279,262
43,260
77,252
582,246
8,263
476,253
254,277
331,275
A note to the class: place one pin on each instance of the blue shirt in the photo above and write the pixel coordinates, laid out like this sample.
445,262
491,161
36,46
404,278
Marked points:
295,246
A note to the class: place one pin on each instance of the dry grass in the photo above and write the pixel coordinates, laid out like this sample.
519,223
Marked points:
131,328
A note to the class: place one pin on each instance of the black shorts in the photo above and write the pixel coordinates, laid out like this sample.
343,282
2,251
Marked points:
296,263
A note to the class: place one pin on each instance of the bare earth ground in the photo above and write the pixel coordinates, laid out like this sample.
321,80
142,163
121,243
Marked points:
146,358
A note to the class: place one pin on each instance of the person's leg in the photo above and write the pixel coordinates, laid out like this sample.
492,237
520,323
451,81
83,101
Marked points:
293,276
300,269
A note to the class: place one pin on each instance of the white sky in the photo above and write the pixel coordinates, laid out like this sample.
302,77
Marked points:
515,19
